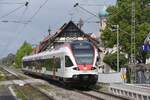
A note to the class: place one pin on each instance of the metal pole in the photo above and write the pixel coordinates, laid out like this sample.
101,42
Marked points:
117,26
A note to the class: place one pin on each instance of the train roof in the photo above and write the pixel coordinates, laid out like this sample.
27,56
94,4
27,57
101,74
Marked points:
54,52
43,55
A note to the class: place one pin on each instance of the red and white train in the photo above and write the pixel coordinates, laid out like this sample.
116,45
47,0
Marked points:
73,62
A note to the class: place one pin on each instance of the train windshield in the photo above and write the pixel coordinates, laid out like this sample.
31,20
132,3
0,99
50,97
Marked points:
83,52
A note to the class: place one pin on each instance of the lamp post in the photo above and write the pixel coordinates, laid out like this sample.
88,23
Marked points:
117,28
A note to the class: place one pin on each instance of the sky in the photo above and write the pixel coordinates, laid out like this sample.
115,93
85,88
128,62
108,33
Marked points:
53,14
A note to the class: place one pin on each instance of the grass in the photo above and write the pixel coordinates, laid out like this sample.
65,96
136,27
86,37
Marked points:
19,94
46,87
2,76
30,93
102,87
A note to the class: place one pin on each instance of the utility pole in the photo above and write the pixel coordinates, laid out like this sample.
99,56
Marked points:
133,23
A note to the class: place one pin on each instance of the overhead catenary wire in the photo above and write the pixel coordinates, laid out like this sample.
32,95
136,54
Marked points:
31,18
21,17
15,21
87,20
8,3
93,5
77,4
23,14
38,10
19,21
25,25
11,12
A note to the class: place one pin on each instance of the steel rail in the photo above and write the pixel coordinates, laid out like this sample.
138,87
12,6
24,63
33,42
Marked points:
34,87
110,94
89,95
14,83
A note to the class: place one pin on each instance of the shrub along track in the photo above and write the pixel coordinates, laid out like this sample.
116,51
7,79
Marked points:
5,76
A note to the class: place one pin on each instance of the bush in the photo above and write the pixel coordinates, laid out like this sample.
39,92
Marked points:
24,50
111,59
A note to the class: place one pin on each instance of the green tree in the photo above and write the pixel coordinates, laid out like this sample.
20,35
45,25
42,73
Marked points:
121,14
24,50
111,59
8,60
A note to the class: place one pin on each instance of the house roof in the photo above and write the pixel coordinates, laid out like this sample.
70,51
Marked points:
66,31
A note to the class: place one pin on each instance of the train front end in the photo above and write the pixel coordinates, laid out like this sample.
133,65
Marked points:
84,57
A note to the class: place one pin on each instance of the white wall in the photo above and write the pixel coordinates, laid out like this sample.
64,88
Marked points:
110,78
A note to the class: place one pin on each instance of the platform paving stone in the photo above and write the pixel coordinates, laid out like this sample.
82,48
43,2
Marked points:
5,94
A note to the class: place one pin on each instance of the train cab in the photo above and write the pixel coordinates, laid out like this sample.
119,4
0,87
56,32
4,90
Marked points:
83,58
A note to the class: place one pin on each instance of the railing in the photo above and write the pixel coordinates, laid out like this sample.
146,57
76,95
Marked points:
132,88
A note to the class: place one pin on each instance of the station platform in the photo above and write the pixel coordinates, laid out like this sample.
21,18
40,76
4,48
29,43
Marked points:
5,94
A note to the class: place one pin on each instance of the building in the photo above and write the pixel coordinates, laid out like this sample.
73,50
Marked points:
68,32
140,73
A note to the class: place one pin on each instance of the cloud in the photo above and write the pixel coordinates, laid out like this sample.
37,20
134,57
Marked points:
55,13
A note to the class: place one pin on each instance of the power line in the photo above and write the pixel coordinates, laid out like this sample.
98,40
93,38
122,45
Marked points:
38,10
31,18
93,5
10,3
25,10
24,22
11,11
15,21
77,5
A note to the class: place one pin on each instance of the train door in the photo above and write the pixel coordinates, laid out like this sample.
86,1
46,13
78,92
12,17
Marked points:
54,67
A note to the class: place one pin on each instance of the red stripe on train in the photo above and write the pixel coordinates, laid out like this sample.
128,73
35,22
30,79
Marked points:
85,67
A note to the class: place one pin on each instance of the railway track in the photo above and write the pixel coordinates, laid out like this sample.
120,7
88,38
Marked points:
6,75
27,91
90,94
111,96
99,95
93,97
93,94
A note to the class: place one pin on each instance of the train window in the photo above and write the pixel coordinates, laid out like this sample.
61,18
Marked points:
83,53
68,62
84,56
57,62
48,63
24,64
